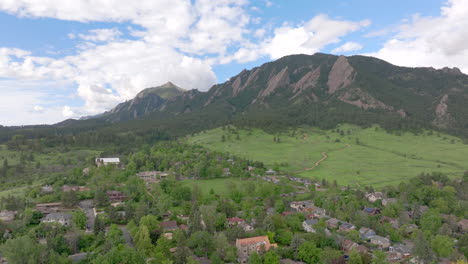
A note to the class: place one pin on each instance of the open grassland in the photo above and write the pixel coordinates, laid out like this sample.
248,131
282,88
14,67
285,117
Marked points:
368,156
223,186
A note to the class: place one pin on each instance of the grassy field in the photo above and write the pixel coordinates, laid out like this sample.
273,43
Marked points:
220,186
355,156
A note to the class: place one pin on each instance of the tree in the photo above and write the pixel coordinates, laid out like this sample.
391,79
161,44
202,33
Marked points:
379,257
354,257
431,221
143,241
162,250
79,219
330,256
69,199
23,250
120,254
254,258
442,245
309,253
271,258
202,243
463,245
99,225
101,198
422,249
114,237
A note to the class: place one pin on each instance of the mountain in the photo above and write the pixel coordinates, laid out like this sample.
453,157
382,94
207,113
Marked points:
144,103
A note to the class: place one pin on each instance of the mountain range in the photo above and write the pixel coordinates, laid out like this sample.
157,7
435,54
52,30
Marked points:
319,83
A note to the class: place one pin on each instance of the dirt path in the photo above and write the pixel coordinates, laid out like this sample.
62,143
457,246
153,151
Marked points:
324,157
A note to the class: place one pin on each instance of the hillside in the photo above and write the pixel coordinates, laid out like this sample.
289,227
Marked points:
352,155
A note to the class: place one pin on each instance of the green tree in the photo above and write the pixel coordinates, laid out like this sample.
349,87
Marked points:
79,219
114,237
422,249
355,257
463,245
379,257
162,250
431,221
271,258
330,256
120,254
143,241
255,258
309,253
23,250
101,198
202,243
69,199
442,245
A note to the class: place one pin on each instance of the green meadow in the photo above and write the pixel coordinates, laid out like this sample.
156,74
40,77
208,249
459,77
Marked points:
369,156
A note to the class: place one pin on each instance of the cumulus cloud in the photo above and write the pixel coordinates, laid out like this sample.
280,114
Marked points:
348,47
431,41
101,35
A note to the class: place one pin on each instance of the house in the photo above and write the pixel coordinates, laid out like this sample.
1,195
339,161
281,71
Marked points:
270,172
250,168
463,225
234,221
366,233
226,172
169,226
346,227
380,242
371,211
301,205
47,208
107,161
308,225
61,218
333,223
392,221
372,197
246,227
116,196
8,216
247,246
348,245
388,201
404,251
67,188
318,212
47,189
148,176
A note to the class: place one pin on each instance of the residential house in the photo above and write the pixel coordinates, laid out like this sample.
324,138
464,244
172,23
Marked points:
388,201
301,205
67,188
348,245
61,218
317,212
246,227
47,189
8,216
107,161
380,241
308,225
250,168
270,172
371,211
234,221
116,196
333,223
148,176
247,246
366,233
226,172
47,208
169,226
346,227
392,221
463,225
401,251
372,197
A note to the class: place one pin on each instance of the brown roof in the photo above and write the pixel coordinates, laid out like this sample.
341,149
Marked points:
235,220
463,224
255,240
169,225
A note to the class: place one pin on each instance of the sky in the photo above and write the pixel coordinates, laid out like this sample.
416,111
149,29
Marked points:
67,59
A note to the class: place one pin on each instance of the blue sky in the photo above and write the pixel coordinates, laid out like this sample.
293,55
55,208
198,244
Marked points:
61,59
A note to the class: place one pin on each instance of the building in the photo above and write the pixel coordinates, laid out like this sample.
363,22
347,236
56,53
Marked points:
67,188
301,205
402,251
116,196
388,201
366,233
234,221
372,197
60,218
169,226
318,212
246,227
148,176
47,208
463,225
348,245
247,246
308,225
107,161
346,227
47,189
8,216
371,211
270,172
333,223
380,242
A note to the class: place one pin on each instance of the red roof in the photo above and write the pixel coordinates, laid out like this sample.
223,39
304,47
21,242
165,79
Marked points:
236,220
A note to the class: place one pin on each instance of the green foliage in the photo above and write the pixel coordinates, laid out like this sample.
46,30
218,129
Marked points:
120,254
309,253
79,219
271,257
442,245
23,250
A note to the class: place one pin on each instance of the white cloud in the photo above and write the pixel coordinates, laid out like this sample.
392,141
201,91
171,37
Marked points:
67,112
348,47
38,108
431,41
101,35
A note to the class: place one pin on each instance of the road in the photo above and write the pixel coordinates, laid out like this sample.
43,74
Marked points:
87,207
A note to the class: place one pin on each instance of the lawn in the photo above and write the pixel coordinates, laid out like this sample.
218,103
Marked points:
368,156
220,186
